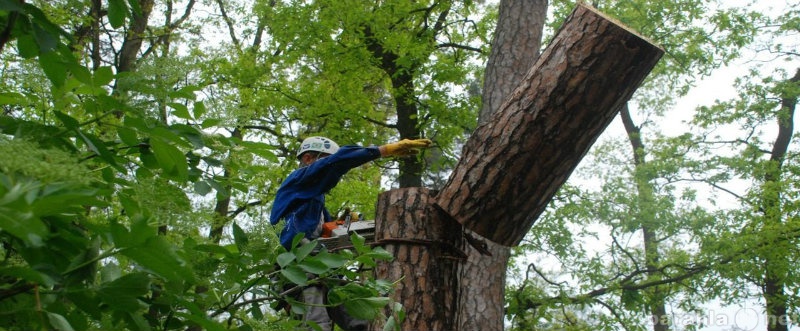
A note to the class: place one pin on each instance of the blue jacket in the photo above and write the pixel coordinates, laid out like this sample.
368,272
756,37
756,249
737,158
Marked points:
301,198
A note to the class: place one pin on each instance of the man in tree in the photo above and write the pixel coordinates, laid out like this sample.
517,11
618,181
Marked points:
300,201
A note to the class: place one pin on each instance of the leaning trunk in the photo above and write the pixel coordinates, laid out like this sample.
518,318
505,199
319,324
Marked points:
512,166
515,47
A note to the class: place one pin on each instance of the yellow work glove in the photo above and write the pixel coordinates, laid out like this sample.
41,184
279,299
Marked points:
406,147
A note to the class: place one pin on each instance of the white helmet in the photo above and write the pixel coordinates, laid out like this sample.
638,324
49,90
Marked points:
317,144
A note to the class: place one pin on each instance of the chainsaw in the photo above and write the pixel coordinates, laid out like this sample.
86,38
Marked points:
336,233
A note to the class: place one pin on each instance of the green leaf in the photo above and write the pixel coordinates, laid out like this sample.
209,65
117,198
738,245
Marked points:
261,149
117,11
124,292
331,260
365,308
295,275
204,322
359,243
69,121
632,299
128,136
23,225
83,75
27,47
180,110
186,92
306,249
392,323
170,159
12,98
10,5
239,237
202,187
45,39
187,133
170,136
58,322
54,67
210,122
138,123
215,249
65,201
99,148
103,76
199,109
38,17
159,256
285,258
28,274
222,192
313,266
135,7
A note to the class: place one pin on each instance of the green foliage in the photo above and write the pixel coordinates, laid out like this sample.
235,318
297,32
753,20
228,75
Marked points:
703,215
105,182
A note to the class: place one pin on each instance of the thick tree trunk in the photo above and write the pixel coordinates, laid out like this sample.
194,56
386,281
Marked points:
128,54
427,250
483,279
512,165
515,47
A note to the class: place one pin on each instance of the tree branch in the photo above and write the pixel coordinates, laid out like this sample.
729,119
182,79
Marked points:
228,22
459,46
242,208
5,35
625,284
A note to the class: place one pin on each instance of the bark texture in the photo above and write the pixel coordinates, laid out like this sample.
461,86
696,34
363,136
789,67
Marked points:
513,164
129,51
427,250
516,45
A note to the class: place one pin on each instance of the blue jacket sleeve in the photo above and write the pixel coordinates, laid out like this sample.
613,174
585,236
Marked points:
318,178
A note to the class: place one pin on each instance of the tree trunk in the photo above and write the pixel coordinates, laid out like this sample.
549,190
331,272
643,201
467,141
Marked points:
427,250
128,54
777,261
644,190
512,165
515,48
403,91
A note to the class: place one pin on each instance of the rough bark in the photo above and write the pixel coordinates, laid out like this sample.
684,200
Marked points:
128,54
483,280
427,250
515,47
512,165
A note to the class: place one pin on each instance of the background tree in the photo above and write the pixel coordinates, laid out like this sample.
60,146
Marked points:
679,217
515,47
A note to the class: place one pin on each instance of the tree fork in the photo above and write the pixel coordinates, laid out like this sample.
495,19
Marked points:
513,164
